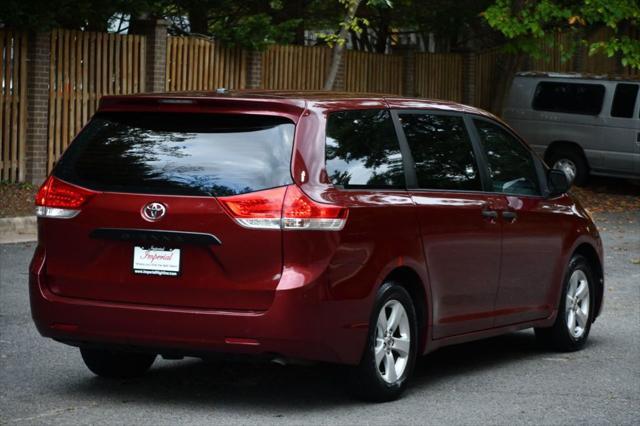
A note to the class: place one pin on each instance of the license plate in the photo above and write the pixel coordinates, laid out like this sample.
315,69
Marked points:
156,261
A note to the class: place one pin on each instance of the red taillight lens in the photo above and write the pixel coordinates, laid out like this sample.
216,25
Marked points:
261,210
301,212
56,198
283,208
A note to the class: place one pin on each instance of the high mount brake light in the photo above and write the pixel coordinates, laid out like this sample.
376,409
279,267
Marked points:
58,199
284,208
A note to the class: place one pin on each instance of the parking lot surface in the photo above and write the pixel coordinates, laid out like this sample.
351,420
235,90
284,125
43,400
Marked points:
505,380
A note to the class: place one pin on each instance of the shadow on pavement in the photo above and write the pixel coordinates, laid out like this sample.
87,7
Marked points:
193,382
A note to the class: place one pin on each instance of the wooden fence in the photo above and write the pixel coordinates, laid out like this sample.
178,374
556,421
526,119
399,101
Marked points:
439,76
373,72
295,67
84,67
199,64
13,105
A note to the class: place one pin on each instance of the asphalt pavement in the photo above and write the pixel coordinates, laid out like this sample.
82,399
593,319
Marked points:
504,380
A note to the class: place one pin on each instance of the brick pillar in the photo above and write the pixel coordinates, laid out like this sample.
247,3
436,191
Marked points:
254,70
408,54
469,62
37,107
339,84
155,31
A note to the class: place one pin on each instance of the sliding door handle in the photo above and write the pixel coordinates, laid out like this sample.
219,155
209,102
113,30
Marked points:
490,214
509,215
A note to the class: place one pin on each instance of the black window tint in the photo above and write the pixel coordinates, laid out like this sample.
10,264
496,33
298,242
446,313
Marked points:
181,154
511,165
442,151
362,150
624,100
572,98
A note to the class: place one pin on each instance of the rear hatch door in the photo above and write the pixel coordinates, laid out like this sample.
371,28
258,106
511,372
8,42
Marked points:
173,166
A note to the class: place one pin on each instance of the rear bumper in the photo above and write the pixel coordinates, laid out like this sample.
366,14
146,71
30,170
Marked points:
300,324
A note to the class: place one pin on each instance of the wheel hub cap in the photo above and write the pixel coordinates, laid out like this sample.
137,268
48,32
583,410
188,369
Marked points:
392,342
568,167
577,304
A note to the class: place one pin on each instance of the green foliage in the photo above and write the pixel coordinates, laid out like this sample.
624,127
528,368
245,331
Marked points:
531,24
350,22
255,32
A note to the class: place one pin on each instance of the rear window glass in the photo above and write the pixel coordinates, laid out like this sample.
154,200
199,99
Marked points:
572,98
180,154
624,100
362,150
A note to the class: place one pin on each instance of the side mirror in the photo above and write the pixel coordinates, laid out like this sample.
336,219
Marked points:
557,182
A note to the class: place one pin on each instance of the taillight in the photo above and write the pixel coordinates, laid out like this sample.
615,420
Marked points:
301,212
258,210
59,199
284,208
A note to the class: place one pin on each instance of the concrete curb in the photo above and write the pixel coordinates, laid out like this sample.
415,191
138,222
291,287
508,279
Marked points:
18,229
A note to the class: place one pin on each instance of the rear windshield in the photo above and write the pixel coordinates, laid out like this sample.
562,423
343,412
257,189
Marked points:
180,154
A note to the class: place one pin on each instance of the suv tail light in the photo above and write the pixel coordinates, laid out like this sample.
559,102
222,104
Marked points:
59,199
284,208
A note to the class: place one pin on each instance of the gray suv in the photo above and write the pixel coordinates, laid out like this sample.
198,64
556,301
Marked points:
581,124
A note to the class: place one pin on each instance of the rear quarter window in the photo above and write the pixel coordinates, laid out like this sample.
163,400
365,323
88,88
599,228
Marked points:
362,150
180,154
571,98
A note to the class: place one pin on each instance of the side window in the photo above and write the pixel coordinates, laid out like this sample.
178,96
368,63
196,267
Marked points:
442,151
572,98
624,100
362,150
511,165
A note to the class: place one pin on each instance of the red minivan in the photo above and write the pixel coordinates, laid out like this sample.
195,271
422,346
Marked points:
295,225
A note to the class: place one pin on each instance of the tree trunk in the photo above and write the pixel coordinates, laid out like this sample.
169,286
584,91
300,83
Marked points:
506,69
338,48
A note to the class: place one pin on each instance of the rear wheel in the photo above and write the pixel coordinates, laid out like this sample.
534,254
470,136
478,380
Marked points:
116,364
575,314
572,162
391,348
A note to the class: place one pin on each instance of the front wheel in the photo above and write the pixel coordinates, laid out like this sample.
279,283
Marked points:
391,348
116,364
575,313
572,163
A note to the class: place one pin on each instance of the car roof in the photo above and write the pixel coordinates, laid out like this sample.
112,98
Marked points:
579,76
295,99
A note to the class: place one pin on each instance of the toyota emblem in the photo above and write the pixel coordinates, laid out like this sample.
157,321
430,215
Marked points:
153,211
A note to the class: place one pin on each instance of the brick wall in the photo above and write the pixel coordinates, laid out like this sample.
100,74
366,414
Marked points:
156,53
254,70
37,107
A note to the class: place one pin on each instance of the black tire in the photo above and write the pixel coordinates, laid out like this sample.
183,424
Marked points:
366,380
575,156
558,337
116,364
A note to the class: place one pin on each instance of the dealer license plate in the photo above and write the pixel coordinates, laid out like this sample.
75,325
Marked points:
156,261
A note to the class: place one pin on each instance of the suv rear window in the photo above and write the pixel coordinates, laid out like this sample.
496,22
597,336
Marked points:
180,154
571,98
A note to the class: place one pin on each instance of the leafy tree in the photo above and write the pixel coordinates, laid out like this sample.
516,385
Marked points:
348,23
529,25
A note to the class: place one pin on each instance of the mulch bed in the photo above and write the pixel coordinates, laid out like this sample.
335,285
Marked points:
16,199
600,195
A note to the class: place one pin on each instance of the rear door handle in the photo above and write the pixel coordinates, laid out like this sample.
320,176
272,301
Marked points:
509,215
490,214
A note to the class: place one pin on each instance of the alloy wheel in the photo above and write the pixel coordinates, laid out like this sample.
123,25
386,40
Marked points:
577,304
568,167
392,342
